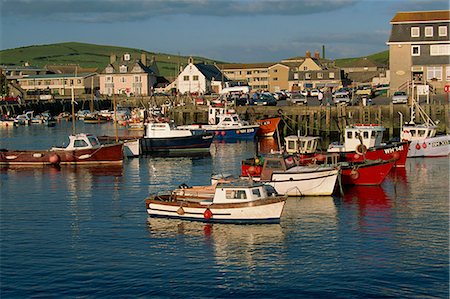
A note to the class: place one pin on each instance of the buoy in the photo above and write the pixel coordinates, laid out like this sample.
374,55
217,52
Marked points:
424,145
54,159
418,146
396,156
180,211
361,149
354,174
216,132
207,214
223,133
356,156
251,170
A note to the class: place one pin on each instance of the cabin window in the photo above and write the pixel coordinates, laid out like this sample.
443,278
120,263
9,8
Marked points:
271,164
93,141
366,135
349,134
421,133
373,135
256,192
413,133
235,118
291,144
236,194
80,143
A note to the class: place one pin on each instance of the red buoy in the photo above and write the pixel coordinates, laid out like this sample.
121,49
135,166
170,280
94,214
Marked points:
207,214
418,146
396,156
54,159
354,174
223,133
424,145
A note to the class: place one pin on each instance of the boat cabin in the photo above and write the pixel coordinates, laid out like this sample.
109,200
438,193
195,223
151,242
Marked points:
276,163
239,191
164,130
370,135
417,132
301,144
224,118
81,141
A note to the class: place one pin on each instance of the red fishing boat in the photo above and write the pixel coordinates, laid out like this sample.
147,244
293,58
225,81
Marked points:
267,126
364,142
369,172
81,149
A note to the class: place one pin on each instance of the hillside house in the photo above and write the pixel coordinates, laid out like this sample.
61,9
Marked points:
200,78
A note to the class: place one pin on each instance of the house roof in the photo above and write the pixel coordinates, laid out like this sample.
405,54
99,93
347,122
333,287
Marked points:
261,65
130,64
49,76
421,16
210,71
69,69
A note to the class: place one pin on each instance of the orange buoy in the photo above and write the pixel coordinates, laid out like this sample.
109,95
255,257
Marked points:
223,133
418,146
207,214
54,159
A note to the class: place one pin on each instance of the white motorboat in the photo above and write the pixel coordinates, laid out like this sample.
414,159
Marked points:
234,202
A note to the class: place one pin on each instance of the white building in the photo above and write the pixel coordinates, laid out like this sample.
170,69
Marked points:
200,78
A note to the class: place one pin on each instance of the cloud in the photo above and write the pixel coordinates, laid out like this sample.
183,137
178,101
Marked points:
120,10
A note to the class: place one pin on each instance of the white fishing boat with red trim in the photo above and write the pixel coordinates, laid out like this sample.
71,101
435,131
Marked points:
233,202
364,142
422,137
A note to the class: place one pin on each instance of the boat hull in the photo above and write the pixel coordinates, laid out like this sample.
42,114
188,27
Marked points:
397,151
267,126
313,182
438,146
369,174
187,144
243,133
106,154
262,211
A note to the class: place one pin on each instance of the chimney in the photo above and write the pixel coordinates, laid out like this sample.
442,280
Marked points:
144,59
308,54
191,60
317,54
323,51
112,58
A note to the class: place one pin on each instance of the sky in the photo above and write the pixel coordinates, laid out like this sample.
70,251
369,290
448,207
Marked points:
242,31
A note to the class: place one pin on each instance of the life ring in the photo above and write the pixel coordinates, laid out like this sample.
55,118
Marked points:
361,149
207,214
354,174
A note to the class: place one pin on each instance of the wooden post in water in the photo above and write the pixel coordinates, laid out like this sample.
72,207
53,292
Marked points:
115,118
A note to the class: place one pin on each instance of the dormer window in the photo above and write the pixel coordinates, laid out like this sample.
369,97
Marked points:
442,30
126,57
123,69
109,70
415,32
429,31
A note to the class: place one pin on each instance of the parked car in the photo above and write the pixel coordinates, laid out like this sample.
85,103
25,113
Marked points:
364,90
298,98
280,95
314,92
264,99
242,101
305,92
341,99
399,97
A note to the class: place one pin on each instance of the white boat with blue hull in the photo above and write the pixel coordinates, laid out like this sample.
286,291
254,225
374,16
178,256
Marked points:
242,202
164,137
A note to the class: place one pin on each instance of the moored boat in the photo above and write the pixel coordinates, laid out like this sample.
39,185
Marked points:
267,126
165,137
369,172
235,202
81,149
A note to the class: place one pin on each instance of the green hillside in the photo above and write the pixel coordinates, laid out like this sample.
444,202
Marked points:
87,55
381,58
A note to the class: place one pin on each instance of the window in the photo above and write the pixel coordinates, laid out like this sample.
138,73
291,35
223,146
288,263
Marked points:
123,69
349,134
186,78
415,50
415,32
80,143
442,30
434,72
195,78
295,76
305,68
447,73
307,76
256,193
275,79
365,135
137,79
438,50
331,75
275,71
429,31
319,75
122,79
249,72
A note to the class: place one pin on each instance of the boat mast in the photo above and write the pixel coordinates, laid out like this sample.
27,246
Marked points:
73,111
115,118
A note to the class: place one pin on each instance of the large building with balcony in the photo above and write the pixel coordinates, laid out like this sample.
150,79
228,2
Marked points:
419,50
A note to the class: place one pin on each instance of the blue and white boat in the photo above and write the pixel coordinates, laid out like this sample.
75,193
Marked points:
226,126
165,137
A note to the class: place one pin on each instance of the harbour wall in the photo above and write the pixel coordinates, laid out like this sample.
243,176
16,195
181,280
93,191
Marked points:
325,121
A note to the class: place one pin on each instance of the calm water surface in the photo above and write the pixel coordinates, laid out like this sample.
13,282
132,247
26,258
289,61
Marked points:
84,232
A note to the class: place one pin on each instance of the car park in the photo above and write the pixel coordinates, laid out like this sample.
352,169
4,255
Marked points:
264,99
341,99
298,99
399,97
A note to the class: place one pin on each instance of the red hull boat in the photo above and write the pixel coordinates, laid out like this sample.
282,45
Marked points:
369,172
82,149
267,126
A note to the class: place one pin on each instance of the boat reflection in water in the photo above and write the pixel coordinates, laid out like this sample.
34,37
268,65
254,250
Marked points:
373,206
267,145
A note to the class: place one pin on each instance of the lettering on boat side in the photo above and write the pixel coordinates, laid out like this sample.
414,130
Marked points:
440,143
393,149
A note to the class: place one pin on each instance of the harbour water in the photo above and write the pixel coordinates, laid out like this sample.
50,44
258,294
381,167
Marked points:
84,232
